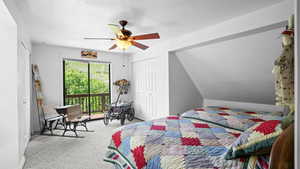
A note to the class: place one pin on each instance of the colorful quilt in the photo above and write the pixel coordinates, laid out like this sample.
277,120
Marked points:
176,143
257,138
230,118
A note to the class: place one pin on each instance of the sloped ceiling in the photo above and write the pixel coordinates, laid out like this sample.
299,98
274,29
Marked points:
66,22
235,70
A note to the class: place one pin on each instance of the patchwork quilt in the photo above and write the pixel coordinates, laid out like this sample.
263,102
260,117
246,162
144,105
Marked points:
176,143
230,118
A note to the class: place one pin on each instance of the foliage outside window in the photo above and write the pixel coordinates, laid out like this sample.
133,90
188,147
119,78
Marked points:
76,78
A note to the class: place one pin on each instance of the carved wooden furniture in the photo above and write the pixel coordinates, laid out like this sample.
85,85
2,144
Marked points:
282,153
75,117
51,117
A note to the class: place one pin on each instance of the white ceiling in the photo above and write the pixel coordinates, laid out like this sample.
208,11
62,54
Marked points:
235,70
66,22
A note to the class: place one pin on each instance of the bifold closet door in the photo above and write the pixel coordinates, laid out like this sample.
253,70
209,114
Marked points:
145,89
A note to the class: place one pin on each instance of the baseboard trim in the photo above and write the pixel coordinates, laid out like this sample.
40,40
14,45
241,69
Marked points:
22,162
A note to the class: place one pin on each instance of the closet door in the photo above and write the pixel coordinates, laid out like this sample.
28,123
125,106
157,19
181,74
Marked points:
145,89
24,97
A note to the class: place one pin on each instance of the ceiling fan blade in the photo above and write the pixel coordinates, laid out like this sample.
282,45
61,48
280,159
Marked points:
139,45
146,36
98,38
116,29
112,47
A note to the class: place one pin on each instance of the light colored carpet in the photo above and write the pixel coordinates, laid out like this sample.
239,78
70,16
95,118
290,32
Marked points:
51,152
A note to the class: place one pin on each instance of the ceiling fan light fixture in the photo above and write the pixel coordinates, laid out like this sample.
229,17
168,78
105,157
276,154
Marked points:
123,44
124,39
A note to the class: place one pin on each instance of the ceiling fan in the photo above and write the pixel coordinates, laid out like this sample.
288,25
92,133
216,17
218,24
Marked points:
124,39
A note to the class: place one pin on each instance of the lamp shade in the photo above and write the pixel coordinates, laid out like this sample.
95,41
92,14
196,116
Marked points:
123,44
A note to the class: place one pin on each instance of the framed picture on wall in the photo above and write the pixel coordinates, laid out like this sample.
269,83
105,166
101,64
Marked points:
88,53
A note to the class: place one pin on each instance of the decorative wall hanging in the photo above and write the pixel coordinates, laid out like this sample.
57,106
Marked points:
88,53
284,69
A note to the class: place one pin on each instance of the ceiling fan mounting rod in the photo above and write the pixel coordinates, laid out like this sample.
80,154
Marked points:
123,23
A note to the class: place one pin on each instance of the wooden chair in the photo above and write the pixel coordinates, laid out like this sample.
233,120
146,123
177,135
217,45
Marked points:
282,153
75,117
50,117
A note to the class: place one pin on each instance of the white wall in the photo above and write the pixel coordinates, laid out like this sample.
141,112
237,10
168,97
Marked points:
9,126
245,105
24,79
50,61
238,69
184,95
272,15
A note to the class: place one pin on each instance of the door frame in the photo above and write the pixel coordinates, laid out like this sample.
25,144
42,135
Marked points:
88,62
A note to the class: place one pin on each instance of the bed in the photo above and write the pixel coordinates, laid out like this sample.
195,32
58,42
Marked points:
199,138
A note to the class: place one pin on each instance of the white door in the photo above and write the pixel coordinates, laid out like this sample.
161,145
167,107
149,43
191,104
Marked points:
27,75
145,89
24,96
